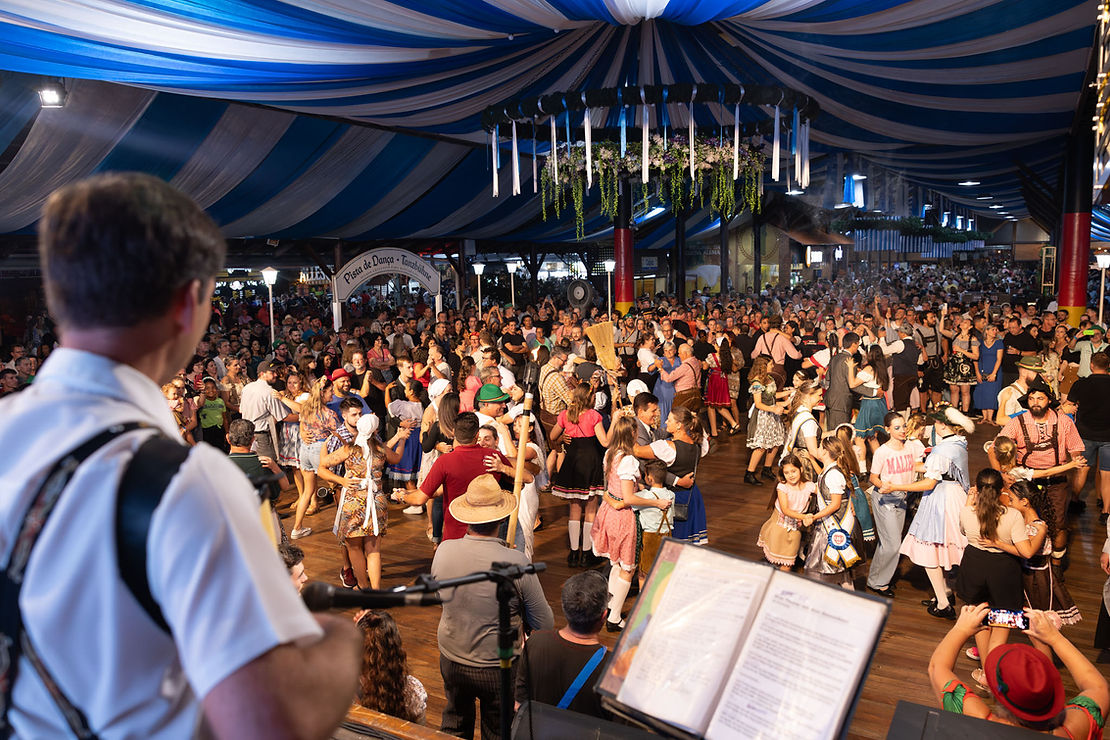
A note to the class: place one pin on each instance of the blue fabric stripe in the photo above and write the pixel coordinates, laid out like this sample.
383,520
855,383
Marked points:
165,136
19,104
401,156
301,145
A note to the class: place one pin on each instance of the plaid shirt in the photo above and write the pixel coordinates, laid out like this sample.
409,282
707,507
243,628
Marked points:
555,390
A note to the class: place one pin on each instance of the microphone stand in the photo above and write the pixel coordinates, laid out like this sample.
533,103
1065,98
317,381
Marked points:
503,574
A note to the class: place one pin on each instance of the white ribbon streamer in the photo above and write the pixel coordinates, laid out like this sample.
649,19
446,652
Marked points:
736,143
554,152
535,161
691,136
644,138
589,150
775,148
516,163
496,160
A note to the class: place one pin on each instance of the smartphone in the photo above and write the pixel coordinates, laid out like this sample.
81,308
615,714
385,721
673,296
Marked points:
1004,618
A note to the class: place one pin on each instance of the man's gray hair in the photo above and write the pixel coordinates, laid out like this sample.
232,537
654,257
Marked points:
585,598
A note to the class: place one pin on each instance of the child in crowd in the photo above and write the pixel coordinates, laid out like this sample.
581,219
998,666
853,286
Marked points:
781,535
834,539
213,416
654,523
175,399
1005,452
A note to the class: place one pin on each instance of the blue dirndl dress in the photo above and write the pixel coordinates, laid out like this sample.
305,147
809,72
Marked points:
985,394
870,417
934,539
409,466
695,528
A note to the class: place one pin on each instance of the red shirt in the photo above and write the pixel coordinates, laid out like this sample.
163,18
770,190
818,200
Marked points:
454,471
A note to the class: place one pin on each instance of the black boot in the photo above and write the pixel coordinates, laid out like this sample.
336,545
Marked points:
574,559
751,479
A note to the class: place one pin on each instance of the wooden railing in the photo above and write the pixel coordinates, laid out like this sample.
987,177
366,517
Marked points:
366,723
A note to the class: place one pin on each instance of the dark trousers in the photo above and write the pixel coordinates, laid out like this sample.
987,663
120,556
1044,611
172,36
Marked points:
902,390
463,685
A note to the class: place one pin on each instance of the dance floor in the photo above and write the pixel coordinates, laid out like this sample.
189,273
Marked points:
735,513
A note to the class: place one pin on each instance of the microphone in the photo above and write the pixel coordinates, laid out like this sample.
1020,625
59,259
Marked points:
321,597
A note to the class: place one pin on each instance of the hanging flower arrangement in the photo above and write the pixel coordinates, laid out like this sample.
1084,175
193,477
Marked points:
563,177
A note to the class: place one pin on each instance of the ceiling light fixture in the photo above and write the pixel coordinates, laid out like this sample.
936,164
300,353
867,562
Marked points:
969,183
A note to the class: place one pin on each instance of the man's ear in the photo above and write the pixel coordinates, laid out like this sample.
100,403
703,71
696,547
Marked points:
183,307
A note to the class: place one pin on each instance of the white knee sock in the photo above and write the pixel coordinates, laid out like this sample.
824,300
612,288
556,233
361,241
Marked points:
936,580
618,590
587,540
574,528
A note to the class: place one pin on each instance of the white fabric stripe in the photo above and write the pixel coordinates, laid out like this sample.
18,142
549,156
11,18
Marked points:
66,144
1054,103
120,23
321,182
526,212
1074,18
888,127
439,161
1023,71
237,144
476,208
906,15
468,97
394,18
631,12
778,9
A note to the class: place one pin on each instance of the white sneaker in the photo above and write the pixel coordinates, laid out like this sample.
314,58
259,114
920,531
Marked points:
413,510
296,534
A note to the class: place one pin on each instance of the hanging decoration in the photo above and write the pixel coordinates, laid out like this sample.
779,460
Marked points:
697,168
496,159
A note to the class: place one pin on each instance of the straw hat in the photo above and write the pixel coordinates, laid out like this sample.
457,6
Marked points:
483,502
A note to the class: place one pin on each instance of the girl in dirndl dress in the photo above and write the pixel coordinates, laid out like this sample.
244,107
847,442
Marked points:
717,398
834,542
580,478
781,535
614,535
935,540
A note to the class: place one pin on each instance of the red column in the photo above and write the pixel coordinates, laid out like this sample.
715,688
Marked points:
624,290
1074,255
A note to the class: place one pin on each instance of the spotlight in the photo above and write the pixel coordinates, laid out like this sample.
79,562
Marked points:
969,183
52,94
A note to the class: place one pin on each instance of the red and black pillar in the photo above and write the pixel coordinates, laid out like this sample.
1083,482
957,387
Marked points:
624,289
1075,247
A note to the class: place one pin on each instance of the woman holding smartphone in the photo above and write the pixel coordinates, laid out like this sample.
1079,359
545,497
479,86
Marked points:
988,573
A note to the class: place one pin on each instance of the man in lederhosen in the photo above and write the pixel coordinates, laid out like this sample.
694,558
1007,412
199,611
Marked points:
1046,439
931,346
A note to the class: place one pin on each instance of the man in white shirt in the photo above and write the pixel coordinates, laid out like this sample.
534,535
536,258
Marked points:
240,657
259,404
1094,341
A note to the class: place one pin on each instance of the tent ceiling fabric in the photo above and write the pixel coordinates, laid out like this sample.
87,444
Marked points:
937,90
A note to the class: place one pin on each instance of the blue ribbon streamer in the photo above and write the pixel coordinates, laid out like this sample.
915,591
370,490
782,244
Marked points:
624,138
794,134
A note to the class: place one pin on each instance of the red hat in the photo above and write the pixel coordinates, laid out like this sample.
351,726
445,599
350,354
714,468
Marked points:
339,373
1024,680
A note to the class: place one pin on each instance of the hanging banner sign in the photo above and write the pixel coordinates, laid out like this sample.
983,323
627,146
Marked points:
386,261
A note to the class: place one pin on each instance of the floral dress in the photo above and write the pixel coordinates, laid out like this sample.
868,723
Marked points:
765,429
353,518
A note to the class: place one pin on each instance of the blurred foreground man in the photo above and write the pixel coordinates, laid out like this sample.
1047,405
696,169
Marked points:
208,634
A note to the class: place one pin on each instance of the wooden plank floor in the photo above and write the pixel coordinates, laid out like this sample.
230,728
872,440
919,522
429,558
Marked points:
735,513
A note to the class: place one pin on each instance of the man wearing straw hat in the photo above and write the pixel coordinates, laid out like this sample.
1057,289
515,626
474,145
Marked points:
467,631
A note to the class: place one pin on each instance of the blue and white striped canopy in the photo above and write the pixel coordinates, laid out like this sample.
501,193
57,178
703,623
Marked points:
936,90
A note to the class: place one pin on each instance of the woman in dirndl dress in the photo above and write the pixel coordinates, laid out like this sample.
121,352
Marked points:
664,390
580,478
766,431
681,453
874,380
717,398
359,524
408,414
959,371
935,541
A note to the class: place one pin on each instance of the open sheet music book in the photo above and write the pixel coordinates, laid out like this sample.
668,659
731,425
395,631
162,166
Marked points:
720,647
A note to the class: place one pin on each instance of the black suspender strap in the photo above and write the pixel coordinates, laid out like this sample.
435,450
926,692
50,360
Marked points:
156,461
13,638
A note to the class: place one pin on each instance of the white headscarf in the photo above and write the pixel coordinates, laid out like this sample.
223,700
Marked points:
367,426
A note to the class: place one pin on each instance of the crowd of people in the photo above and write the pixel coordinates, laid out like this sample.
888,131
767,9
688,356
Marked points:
855,397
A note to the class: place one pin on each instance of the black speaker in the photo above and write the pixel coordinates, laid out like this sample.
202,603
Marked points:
552,723
580,293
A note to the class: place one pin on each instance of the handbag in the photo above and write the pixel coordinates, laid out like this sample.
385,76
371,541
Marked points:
682,511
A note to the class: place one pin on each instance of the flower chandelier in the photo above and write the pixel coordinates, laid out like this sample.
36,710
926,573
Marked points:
682,168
